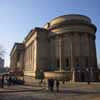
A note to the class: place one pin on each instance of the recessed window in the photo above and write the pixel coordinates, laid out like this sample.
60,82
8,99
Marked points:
86,61
77,60
58,63
67,62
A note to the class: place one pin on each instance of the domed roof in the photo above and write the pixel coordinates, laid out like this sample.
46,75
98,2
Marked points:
68,18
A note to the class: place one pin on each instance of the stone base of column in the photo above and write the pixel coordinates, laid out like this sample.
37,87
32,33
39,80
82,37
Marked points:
73,76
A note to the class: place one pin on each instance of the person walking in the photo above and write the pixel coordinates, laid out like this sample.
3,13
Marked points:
2,82
57,85
48,84
51,84
88,76
9,81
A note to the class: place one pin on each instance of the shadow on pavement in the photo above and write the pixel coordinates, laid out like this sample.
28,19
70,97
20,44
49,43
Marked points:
78,92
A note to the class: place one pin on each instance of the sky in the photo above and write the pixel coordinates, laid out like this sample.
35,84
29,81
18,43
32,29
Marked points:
18,17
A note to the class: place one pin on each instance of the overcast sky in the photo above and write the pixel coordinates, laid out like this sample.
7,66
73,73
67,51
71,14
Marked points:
18,17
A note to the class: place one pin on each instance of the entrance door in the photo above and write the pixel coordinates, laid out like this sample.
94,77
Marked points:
82,77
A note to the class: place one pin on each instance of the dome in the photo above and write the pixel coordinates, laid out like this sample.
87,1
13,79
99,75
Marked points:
68,18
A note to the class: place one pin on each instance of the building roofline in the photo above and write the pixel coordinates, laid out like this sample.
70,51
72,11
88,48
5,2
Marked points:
32,32
15,44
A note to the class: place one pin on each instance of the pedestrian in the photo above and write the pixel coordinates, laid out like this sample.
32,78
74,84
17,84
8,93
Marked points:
9,81
57,85
2,82
13,79
63,81
51,84
48,84
88,79
88,76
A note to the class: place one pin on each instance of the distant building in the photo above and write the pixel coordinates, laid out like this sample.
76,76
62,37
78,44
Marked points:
65,44
1,63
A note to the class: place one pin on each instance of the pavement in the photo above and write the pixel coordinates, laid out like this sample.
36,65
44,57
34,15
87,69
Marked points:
19,88
68,91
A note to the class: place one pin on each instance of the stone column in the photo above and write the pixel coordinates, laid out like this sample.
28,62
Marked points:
94,60
94,50
35,55
72,60
60,53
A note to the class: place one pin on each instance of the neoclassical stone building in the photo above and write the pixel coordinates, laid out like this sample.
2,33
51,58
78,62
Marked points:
63,49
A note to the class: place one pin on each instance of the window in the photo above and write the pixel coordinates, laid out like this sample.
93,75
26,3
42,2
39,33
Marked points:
58,63
86,61
77,60
67,62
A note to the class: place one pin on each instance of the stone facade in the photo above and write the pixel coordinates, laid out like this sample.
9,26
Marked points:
17,59
64,49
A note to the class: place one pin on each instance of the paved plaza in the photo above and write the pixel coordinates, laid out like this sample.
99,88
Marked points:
68,91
